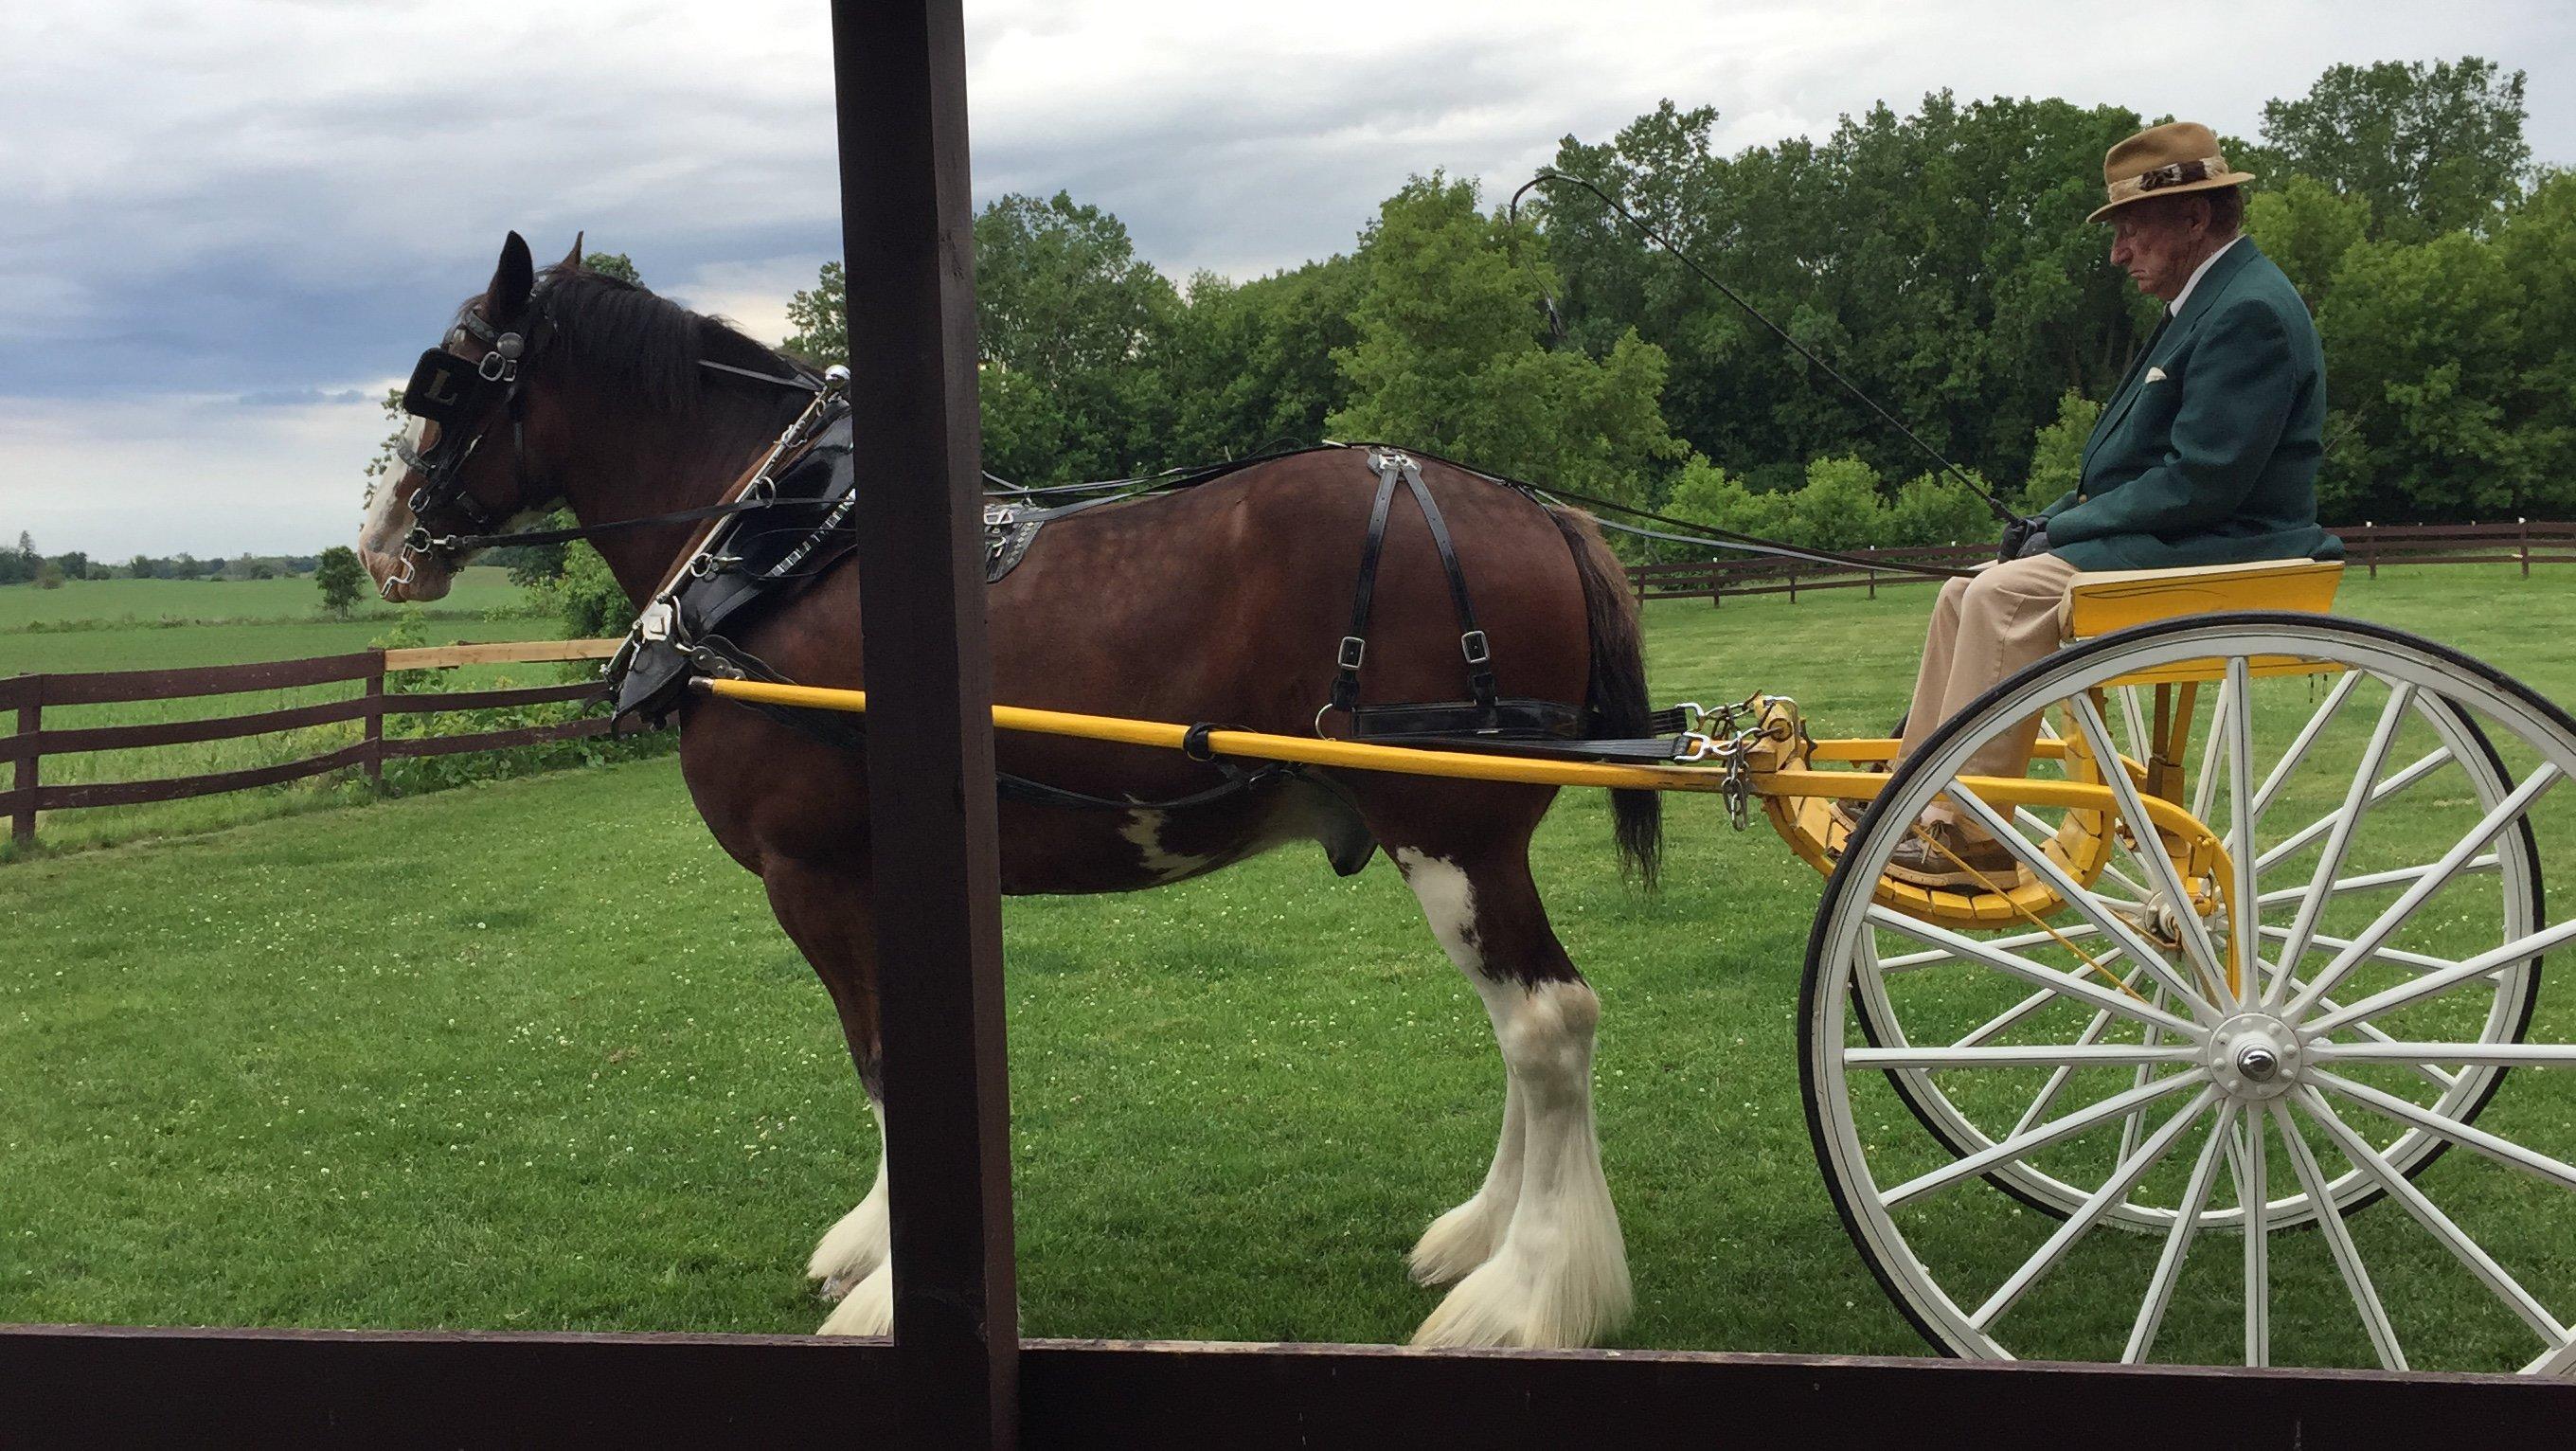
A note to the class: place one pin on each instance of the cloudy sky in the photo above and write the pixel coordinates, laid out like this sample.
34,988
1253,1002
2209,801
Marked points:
226,227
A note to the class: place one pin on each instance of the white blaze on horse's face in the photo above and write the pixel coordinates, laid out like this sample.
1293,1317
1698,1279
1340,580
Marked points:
389,518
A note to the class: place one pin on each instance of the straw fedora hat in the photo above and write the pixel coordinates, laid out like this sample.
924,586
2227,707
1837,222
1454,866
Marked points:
2167,160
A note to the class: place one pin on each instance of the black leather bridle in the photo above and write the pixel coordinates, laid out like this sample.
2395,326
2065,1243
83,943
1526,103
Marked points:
467,398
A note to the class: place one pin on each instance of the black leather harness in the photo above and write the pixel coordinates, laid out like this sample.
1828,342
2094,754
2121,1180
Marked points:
759,559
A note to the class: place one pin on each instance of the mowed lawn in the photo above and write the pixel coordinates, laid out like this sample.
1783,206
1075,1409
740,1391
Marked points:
534,1055
159,624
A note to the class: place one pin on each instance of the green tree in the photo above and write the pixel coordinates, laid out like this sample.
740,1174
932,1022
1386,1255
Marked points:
1249,366
586,596
821,316
338,576
1449,355
1940,260
1934,508
2057,452
141,567
49,575
2306,227
1070,324
2433,147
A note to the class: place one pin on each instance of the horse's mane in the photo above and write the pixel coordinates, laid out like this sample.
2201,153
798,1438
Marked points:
619,333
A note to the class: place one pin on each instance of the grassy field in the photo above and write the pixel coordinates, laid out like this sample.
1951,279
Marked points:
534,1055
125,604
150,624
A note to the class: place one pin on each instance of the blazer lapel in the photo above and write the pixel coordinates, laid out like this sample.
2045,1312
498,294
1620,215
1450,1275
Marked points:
2121,397
2175,326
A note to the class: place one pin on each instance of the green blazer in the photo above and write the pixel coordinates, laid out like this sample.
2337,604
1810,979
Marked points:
2208,452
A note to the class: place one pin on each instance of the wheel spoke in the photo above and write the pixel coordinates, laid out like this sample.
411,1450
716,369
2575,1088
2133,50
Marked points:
2136,1123
2404,1190
2390,1050
2373,881
2204,1175
1934,957
2306,737
2420,962
2022,1145
2246,918
2347,1258
2123,1179
2433,880
2070,984
2433,984
2058,1079
2149,853
2074,895
2503,1151
2205,789
2035,1055
2339,838
2381,792
2254,1194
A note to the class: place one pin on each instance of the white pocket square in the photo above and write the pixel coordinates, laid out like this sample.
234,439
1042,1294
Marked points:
2155,375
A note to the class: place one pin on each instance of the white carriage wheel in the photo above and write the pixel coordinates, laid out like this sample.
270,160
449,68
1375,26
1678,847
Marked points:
2273,1092
2463,748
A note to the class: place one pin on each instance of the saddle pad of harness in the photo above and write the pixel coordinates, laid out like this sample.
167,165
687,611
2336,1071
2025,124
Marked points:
757,561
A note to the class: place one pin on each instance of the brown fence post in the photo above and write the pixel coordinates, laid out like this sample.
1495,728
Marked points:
31,716
2370,546
1793,586
374,722
2522,536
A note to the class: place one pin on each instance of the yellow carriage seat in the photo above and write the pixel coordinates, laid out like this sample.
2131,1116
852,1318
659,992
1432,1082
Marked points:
2114,599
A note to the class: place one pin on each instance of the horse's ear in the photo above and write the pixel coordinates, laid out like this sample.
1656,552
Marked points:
512,281
572,259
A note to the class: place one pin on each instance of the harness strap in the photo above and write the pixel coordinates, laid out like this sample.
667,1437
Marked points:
1354,646
1472,644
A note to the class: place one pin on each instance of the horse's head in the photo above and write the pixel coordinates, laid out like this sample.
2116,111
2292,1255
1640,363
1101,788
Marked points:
463,462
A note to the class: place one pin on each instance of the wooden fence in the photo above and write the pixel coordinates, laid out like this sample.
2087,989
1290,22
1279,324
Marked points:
28,696
2523,542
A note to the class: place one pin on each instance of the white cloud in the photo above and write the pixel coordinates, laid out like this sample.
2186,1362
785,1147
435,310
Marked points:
273,197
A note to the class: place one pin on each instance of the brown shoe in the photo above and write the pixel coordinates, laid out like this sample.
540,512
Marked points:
1923,864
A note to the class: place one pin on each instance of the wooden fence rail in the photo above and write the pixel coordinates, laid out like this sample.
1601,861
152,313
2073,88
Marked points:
2521,542
27,696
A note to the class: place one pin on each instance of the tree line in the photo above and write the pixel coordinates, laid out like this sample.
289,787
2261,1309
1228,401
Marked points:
24,564
1939,258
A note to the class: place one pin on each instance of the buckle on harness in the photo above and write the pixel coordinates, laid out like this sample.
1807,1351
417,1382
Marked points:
1474,646
1353,649
657,621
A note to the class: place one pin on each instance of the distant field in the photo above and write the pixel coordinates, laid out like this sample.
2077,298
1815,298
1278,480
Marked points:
164,624
110,603
425,1064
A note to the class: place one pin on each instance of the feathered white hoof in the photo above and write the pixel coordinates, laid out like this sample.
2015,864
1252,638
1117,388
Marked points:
868,1309
852,1249
1458,1241
1518,1299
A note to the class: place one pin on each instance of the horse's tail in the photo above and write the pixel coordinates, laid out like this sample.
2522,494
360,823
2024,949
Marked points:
1615,701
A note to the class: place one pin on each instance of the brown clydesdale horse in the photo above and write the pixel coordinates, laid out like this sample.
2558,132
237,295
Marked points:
1222,602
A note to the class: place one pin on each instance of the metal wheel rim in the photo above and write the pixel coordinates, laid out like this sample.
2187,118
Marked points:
1847,914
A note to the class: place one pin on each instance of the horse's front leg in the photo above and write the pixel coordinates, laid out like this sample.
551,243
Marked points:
828,912
1537,1252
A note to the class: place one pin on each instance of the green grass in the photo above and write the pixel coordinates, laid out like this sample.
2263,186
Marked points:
534,1055
109,604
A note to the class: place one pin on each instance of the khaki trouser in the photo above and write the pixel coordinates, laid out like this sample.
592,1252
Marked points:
1984,628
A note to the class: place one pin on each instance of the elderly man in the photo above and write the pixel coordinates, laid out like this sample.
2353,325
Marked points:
2206,454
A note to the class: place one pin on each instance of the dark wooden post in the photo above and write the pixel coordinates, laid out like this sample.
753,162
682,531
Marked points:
2370,546
2522,538
31,718
899,70
1793,592
374,720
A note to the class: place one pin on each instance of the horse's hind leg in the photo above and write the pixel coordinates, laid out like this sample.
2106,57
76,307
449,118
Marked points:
1537,1252
826,911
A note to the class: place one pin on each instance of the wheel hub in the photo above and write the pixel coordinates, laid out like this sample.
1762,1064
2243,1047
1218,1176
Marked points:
2254,1056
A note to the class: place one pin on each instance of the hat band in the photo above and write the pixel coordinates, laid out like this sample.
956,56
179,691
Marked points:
2172,173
